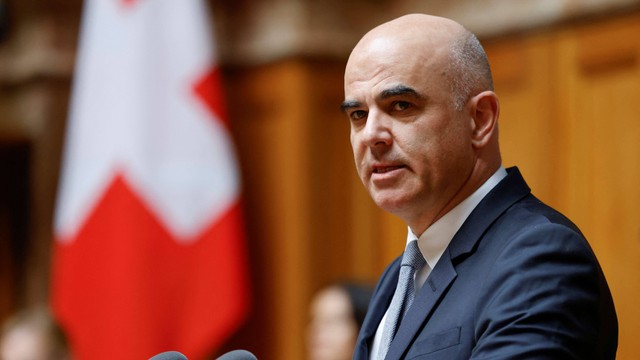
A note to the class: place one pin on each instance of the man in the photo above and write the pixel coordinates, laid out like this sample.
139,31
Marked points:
496,274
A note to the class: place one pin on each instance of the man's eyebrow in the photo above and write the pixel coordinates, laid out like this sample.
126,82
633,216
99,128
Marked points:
397,91
349,104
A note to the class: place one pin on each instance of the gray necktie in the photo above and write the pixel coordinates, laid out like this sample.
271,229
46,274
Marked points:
412,261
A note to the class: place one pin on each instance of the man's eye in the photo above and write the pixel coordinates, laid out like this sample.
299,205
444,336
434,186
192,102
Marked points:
401,105
357,114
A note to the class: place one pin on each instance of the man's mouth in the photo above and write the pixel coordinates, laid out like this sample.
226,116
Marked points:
386,169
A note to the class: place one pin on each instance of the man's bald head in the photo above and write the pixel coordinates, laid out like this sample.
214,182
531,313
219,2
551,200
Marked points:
413,26
457,52
423,116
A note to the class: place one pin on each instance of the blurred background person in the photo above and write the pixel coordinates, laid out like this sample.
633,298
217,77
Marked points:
33,334
336,315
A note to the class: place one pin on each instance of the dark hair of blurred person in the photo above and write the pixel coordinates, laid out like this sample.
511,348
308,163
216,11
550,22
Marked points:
337,312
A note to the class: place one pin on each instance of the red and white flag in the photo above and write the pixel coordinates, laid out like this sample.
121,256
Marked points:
149,251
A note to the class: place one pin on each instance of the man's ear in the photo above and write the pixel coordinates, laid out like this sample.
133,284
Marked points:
485,110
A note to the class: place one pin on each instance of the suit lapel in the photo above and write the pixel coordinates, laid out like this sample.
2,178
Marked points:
506,193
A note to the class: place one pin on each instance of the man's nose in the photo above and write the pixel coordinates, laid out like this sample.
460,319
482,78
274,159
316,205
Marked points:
377,130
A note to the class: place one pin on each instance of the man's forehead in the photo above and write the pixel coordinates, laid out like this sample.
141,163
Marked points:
395,58
374,75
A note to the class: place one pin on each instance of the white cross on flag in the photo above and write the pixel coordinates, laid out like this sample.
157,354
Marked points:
149,253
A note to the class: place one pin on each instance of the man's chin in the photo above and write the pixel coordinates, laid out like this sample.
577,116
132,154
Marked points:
390,202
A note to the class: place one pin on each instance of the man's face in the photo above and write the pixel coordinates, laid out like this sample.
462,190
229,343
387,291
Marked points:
412,149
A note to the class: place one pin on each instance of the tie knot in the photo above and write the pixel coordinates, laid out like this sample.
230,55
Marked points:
412,256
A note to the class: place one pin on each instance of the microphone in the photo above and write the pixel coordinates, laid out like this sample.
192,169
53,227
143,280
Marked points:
238,355
169,355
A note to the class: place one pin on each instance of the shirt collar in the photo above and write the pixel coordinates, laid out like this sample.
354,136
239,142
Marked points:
437,237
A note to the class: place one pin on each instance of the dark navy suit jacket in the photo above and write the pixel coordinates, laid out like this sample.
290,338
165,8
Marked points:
517,281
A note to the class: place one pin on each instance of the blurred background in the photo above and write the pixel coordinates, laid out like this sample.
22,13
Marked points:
567,73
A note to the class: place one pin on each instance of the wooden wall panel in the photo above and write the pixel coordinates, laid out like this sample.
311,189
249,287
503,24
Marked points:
378,237
364,232
527,126
599,88
268,108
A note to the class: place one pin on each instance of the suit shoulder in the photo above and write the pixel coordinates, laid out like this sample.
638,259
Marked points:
531,214
535,206
535,227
